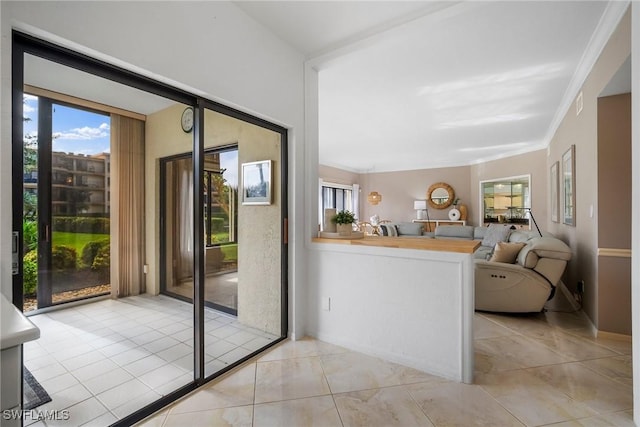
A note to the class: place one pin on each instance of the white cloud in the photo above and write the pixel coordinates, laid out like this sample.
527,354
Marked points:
26,108
84,133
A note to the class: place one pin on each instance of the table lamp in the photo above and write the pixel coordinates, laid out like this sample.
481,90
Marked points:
420,206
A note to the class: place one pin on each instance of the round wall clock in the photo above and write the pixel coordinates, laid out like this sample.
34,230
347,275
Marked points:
187,119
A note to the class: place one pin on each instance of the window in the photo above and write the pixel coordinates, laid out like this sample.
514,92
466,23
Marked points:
339,197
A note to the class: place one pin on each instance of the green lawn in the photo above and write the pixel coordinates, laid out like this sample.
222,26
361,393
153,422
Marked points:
230,252
76,240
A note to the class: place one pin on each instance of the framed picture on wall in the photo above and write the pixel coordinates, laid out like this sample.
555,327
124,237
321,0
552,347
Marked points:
256,183
554,191
569,186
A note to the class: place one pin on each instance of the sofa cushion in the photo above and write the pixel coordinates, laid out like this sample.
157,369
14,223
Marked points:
388,230
409,229
454,232
506,252
496,233
479,233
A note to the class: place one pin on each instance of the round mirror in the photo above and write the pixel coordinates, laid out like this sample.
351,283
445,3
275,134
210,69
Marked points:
440,195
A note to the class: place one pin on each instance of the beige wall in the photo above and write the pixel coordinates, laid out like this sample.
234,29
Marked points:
533,164
259,227
614,171
164,137
614,212
400,189
338,176
582,131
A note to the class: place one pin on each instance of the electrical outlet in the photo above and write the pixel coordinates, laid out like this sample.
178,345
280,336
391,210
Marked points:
580,287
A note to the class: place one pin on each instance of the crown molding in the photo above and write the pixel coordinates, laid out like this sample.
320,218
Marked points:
609,21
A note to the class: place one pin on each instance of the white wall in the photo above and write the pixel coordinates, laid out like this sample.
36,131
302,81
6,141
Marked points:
210,46
409,306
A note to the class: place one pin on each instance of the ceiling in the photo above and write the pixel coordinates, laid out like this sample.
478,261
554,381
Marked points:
413,85
417,84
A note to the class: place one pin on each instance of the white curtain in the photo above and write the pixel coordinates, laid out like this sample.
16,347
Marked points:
184,219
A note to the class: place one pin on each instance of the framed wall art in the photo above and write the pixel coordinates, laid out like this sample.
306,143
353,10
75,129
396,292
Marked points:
256,183
554,191
569,186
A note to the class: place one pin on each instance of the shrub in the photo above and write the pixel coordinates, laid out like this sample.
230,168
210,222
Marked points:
30,273
74,224
63,257
90,250
102,260
217,224
30,235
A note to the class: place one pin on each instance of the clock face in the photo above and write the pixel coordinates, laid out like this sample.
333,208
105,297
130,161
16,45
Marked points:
187,119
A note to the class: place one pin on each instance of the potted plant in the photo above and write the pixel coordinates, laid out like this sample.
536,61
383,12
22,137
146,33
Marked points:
344,221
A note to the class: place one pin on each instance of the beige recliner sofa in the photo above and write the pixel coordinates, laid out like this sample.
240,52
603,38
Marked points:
522,287
525,286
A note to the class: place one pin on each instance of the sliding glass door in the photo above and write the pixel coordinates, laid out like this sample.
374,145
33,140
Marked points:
66,203
242,280
157,217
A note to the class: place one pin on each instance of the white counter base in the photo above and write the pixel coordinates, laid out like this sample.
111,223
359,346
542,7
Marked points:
413,307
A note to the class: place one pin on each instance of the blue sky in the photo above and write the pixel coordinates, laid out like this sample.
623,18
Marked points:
81,132
74,131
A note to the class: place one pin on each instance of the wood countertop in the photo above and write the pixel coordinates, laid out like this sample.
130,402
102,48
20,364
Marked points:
443,245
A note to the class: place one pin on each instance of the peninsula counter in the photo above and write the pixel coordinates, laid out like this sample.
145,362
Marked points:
406,300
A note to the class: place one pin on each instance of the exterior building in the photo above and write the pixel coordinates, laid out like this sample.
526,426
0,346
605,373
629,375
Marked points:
80,183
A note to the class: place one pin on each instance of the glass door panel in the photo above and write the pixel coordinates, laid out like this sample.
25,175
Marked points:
221,245
65,203
243,243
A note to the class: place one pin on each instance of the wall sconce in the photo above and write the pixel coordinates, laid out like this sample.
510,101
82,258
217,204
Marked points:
420,206
374,197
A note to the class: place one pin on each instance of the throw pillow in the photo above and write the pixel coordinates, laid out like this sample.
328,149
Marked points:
389,230
506,252
496,233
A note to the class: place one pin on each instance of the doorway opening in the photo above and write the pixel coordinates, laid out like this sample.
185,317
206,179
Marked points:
220,207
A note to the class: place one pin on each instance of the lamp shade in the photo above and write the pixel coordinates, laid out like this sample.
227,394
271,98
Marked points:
420,204
374,197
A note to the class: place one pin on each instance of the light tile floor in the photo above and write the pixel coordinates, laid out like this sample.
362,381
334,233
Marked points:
542,369
104,360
